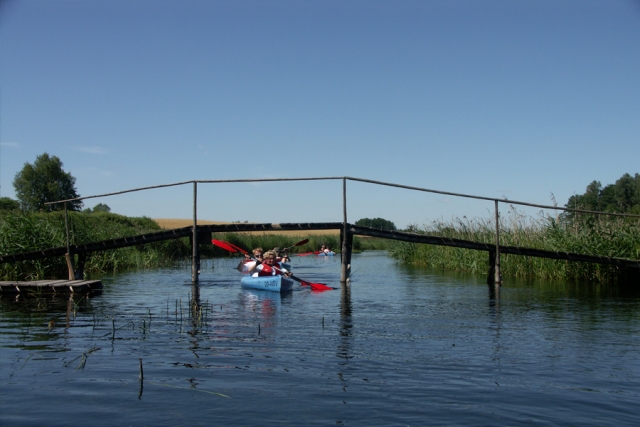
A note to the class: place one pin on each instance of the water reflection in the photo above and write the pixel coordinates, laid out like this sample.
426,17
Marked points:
406,344
197,316
345,345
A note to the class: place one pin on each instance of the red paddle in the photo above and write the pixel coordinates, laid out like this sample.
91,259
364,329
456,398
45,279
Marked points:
237,248
300,243
224,245
233,248
305,254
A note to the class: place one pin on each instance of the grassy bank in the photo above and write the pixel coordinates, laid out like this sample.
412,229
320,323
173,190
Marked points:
32,232
611,237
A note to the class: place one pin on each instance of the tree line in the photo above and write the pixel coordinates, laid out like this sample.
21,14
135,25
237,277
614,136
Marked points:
621,197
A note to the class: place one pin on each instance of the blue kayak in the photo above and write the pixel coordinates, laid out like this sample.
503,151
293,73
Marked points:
268,283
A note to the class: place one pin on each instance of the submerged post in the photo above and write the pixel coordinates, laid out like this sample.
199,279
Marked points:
346,237
195,253
498,277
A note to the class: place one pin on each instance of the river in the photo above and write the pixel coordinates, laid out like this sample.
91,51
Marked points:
401,346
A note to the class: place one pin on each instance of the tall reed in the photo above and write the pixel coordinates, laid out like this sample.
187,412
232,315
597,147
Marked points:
602,236
21,232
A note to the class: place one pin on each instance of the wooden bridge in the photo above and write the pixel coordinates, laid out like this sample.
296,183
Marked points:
201,234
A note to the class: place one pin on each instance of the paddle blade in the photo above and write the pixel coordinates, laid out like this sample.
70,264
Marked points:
317,286
237,248
302,242
223,245
304,254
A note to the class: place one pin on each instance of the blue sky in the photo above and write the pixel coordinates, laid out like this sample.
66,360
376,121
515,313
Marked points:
516,99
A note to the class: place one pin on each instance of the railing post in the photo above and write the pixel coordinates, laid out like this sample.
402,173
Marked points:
346,239
195,253
498,276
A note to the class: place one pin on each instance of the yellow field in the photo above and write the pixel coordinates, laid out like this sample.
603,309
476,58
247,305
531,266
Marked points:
169,223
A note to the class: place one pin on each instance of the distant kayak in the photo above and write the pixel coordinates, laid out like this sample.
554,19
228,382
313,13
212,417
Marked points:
330,253
268,283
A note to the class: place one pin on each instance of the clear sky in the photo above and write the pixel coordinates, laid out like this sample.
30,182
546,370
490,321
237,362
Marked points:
514,98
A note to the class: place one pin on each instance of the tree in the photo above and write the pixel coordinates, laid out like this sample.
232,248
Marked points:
624,191
101,207
376,223
45,181
622,197
8,204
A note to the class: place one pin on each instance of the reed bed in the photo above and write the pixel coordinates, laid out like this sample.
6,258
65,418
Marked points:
20,232
611,237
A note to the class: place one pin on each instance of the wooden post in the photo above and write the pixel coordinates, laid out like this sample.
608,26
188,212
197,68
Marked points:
68,256
498,277
491,277
346,240
195,253
79,272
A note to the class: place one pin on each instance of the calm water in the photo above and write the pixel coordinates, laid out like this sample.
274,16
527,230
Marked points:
404,346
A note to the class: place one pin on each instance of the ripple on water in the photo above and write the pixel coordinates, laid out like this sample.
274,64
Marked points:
407,346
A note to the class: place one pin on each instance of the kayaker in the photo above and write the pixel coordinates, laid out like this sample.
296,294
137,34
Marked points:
257,253
269,267
281,256
248,263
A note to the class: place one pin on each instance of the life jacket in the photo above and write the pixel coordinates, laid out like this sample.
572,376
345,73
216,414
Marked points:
267,270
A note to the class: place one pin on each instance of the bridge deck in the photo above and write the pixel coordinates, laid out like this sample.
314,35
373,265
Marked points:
302,227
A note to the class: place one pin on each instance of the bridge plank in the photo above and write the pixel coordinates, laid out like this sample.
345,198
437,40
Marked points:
50,286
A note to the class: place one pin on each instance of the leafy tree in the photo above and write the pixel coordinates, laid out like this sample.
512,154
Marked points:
624,192
8,204
376,223
45,181
622,197
101,207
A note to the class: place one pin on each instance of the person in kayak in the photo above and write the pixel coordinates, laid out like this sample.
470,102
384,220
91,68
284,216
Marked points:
248,263
281,256
269,267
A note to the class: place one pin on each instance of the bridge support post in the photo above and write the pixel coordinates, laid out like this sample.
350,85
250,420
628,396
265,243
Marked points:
491,277
70,268
347,244
195,250
346,239
497,275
